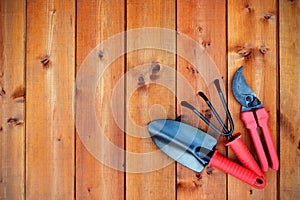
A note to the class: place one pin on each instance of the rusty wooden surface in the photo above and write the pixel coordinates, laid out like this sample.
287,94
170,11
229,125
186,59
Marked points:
42,47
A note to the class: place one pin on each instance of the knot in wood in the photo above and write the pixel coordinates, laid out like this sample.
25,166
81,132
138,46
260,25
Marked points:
244,51
263,49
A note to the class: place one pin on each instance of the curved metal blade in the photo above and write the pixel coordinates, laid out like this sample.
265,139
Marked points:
242,92
186,144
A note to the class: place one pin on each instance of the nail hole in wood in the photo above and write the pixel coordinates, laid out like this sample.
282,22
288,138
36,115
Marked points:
200,29
198,176
208,114
101,54
2,91
248,7
267,16
45,61
244,51
209,170
263,49
155,68
141,80
206,43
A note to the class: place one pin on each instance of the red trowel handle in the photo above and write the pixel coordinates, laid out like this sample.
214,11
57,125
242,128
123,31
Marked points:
262,120
243,155
250,123
237,171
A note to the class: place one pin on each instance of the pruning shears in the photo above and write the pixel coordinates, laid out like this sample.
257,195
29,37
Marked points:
253,114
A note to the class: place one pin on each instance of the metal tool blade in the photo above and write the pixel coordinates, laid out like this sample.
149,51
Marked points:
186,144
243,93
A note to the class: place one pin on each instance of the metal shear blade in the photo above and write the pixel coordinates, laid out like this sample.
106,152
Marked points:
242,92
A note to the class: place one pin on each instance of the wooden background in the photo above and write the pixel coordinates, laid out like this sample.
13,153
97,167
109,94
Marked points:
44,42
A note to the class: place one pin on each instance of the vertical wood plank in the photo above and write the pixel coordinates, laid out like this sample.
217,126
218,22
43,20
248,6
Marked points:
289,43
148,102
50,74
97,20
12,94
252,42
204,22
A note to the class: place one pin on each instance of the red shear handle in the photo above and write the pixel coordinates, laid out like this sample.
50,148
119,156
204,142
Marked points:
242,153
237,171
250,123
262,120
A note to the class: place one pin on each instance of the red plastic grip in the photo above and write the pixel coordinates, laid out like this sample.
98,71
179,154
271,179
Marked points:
250,124
237,171
262,120
242,153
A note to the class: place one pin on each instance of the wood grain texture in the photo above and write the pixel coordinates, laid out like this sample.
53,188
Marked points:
50,74
252,42
42,47
289,43
204,22
148,101
12,95
97,20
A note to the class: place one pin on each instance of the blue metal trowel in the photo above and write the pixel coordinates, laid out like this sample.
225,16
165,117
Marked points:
184,143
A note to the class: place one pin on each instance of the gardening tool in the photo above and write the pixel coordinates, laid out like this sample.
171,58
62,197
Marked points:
195,149
234,141
253,113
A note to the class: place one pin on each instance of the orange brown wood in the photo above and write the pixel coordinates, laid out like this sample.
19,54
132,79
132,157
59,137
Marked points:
96,21
50,76
289,71
12,99
159,183
205,23
252,42
42,47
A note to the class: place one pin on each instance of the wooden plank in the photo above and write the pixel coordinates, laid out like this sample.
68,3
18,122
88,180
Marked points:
12,94
97,20
289,43
148,102
252,42
204,22
50,74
